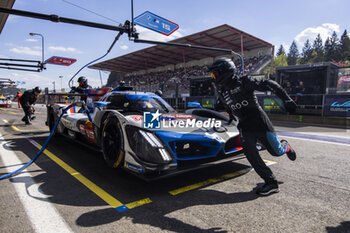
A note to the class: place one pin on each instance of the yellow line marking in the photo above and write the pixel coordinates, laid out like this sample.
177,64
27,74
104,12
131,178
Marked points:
24,130
20,109
138,203
215,180
94,188
8,111
268,162
113,202
208,182
12,126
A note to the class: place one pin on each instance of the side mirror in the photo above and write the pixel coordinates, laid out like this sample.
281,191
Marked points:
100,104
194,105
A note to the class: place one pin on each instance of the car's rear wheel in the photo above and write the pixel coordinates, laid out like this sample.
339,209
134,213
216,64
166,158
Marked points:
112,142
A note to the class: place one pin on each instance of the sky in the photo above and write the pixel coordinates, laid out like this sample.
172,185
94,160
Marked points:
275,21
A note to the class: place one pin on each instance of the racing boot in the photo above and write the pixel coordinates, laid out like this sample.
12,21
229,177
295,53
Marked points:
268,188
290,152
26,120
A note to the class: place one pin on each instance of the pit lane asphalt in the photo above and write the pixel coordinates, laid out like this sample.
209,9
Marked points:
314,194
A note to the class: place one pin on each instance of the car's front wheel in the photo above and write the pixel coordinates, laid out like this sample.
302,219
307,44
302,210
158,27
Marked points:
112,142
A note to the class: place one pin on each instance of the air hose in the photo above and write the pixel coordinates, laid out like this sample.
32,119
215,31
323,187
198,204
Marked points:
110,48
59,118
45,144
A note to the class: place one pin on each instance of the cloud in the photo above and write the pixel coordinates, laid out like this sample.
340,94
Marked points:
32,80
9,44
31,40
63,49
124,47
325,30
147,34
26,50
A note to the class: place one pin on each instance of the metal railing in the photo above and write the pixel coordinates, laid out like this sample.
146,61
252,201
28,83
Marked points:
307,104
176,103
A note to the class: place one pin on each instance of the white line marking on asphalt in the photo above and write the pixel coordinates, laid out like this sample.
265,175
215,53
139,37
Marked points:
314,140
41,213
327,134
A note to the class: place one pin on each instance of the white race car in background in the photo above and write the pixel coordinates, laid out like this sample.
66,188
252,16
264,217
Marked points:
5,102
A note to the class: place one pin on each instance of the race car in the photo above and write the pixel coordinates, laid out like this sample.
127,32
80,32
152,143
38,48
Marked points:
140,132
5,102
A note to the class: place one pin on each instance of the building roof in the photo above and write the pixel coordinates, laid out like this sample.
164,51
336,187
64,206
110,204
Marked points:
3,17
224,36
297,68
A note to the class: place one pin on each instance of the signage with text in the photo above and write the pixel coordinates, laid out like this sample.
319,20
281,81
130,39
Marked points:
61,61
156,23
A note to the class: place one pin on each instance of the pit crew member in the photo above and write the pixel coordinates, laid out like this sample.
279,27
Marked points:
27,100
237,96
83,85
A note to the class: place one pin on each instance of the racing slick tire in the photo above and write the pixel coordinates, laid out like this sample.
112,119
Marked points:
112,142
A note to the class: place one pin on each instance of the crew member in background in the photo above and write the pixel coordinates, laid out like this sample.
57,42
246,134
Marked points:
300,91
289,88
27,100
122,83
120,86
18,95
83,85
159,93
237,96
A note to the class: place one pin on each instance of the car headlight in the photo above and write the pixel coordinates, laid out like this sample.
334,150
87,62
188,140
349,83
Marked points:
147,146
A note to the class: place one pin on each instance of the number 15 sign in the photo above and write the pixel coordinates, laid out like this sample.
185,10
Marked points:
156,23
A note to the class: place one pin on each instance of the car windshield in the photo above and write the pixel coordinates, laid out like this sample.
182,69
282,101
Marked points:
138,103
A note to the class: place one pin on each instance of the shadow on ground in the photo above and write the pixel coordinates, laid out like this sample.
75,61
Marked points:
60,187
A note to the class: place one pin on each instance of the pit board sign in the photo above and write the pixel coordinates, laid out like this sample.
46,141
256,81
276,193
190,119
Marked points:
156,23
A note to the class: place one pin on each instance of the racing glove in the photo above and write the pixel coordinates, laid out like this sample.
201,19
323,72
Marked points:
290,106
73,89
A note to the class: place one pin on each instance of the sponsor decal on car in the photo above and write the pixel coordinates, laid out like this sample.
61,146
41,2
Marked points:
136,118
134,167
183,116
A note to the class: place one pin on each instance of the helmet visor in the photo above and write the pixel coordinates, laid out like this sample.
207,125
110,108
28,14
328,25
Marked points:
214,74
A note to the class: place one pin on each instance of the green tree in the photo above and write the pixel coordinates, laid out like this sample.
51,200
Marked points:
293,54
345,46
318,48
306,54
281,51
281,60
333,49
327,50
